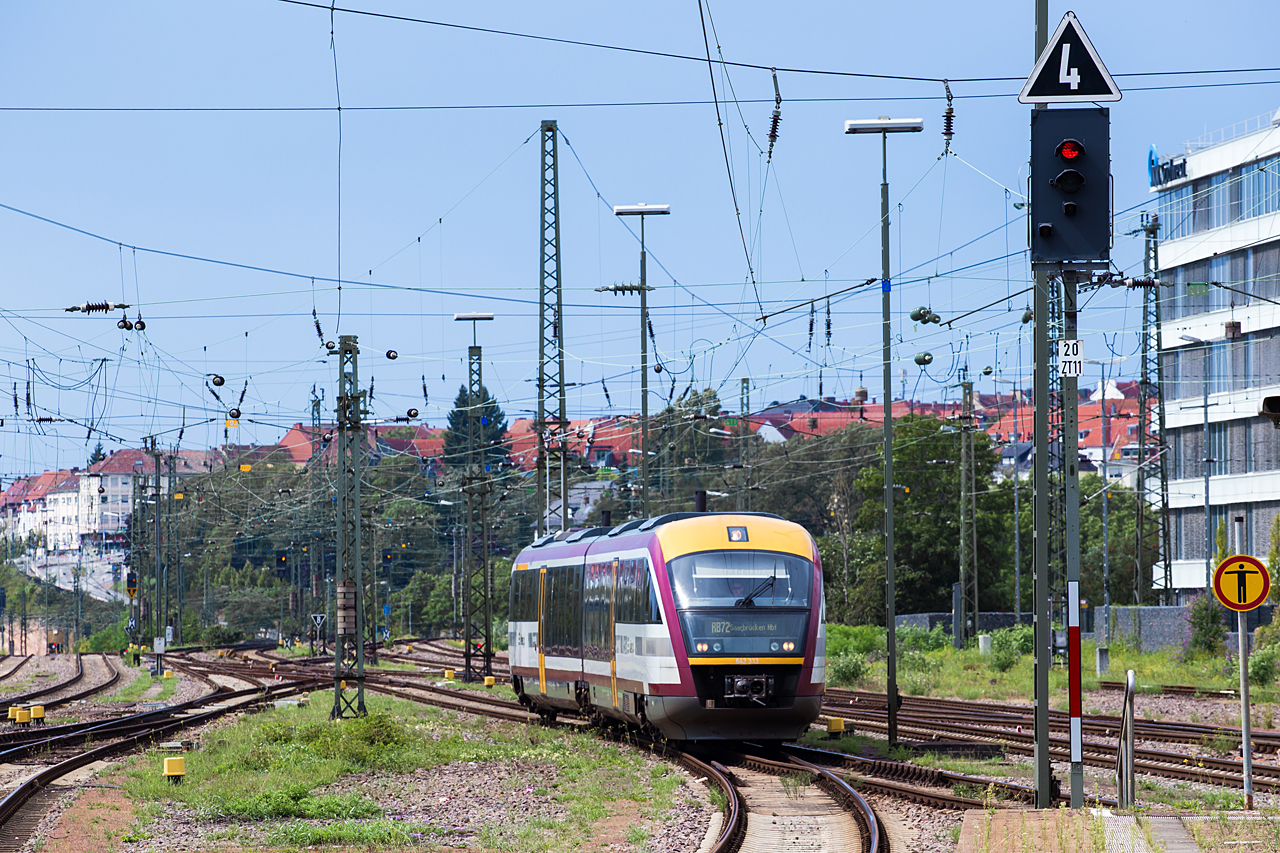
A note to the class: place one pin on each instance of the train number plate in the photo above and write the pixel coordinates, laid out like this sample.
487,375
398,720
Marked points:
746,661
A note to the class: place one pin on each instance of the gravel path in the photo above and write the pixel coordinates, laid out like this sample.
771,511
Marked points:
913,828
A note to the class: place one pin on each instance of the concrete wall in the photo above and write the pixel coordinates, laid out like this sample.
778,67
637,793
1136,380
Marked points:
1149,628
1156,628
988,622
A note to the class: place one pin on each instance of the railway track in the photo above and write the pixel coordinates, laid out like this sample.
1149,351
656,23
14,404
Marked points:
60,750
780,818
1171,765
21,661
28,697
1012,716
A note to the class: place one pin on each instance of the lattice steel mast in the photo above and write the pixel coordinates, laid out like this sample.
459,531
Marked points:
968,519
477,582
552,431
315,562
1153,475
348,647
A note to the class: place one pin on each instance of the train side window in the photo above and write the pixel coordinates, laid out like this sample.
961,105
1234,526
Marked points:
626,592
648,596
554,610
517,596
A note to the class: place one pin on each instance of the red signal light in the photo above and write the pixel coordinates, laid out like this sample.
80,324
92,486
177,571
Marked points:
1069,149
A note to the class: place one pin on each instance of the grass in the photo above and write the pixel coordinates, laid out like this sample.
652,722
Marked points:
1222,833
132,691
856,744
264,772
972,767
1181,796
349,833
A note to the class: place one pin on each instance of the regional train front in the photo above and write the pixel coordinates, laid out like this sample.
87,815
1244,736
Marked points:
702,626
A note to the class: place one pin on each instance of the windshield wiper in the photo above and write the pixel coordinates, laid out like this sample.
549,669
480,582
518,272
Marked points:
767,583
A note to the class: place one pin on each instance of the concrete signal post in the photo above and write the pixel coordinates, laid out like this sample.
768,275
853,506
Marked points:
1070,236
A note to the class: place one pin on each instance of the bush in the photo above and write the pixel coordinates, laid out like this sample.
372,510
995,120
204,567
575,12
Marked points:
1263,665
847,670
1265,636
297,801
918,671
855,639
1004,658
910,637
1020,638
1205,631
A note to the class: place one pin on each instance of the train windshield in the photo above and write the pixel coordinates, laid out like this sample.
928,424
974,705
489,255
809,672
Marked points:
740,578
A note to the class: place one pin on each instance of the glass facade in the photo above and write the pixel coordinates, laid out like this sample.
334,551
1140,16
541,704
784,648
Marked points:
1240,193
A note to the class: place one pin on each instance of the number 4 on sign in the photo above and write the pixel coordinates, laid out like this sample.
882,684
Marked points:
1067,74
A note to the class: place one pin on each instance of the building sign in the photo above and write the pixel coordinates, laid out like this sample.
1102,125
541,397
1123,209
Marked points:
1173,169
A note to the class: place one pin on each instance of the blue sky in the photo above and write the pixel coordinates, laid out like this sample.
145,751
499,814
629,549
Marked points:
439,207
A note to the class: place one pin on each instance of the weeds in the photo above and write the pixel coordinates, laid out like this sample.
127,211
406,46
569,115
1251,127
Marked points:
795,784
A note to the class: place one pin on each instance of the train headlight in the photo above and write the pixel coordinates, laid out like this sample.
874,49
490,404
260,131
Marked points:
788,647
715,647
773,647
702,647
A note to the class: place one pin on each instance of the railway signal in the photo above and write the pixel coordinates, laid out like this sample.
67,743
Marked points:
1070,185
1241,583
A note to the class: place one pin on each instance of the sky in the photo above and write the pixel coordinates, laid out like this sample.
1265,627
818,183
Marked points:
191,160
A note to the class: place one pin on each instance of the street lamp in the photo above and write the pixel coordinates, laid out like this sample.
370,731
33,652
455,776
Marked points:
1208,527
642,210
885,126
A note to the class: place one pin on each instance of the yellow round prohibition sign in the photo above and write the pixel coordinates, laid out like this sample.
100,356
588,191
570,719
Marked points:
1241,582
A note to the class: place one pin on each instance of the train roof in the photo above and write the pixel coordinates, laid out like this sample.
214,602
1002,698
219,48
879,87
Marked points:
642,524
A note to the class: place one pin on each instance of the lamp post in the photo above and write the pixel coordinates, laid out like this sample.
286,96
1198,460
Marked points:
642,210
1208,527
885,126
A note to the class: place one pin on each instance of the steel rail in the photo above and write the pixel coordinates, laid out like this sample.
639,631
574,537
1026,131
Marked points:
89,691
14,801
1152,762
25,698
1102,725
23,661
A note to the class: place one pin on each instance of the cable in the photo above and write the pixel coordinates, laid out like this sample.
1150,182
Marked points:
600,46
724,147
333,47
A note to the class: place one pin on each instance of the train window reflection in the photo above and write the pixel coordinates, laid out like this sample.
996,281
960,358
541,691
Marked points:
740,578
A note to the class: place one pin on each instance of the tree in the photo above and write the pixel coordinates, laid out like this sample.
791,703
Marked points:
926,458
1273,558
687,452
1221,552
493,429
97,455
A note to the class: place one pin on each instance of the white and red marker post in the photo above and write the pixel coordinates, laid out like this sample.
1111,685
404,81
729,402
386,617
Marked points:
1073,684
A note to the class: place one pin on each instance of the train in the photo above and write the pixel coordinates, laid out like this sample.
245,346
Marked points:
692,626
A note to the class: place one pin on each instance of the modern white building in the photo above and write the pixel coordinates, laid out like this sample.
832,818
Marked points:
1219,208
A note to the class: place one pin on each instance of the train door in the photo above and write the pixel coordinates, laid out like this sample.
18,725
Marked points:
542,630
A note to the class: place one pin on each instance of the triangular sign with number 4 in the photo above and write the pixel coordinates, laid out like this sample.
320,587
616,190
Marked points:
1069,70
